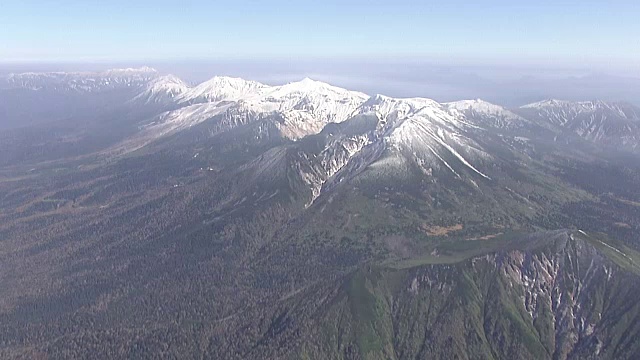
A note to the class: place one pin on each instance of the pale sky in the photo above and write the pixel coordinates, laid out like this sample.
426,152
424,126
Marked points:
599,34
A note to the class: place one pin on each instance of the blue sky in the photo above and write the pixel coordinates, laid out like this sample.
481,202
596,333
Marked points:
604,33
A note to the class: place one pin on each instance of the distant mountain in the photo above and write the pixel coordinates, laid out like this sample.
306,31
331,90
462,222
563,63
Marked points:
606,123
424,133
30,99
221,88
488,114
83,82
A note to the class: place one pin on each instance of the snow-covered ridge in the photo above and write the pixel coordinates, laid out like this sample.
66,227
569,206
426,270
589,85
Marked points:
162,89
575,105
564,103
271,98
424,132
142,69
564,112
386,106
305,107
609,123
222,88
481,113
296,109
481,106
476,104
418,129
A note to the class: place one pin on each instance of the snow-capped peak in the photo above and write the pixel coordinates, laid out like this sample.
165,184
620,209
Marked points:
162,89
315,92
309,86
385,106
478,105
309,81
480,111
563,111
223,88
308,105
575,105
426,132
544,104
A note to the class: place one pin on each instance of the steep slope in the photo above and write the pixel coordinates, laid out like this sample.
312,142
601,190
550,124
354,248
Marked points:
424,132
610,124
387,136
422,158
555,295
32,99
486,114
221,88
307,106
162,90
306,98
296,109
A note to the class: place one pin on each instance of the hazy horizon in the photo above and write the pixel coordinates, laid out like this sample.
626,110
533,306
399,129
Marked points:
501,51
512,85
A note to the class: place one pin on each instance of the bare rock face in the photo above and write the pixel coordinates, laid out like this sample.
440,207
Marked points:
553,296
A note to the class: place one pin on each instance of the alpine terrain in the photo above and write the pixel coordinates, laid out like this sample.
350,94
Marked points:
145,217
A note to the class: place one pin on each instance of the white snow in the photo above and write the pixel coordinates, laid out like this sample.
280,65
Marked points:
425,129
565,111
162,89
417,130
168,123
482,107
611,123
441,159
222,88
305,106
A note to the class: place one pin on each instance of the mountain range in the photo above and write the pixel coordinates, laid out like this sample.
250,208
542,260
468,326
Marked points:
145,217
